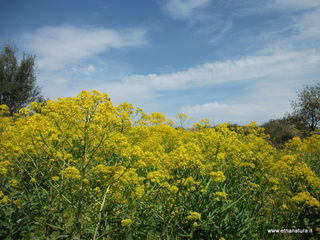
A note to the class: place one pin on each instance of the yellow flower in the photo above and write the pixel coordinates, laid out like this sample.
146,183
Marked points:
3,167
194,216
218,176
126,222
33,180
71,173
221,194
288,158
85,180
55,178
174,189
305,197
203,190
5,200
158,176
274,180
13,182
139,191
253,186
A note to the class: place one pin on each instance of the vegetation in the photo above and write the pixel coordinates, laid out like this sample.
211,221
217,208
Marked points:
307,107
17,80
302,122
282,130
81,168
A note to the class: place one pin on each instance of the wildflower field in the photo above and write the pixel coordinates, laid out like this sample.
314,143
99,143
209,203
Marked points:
81,168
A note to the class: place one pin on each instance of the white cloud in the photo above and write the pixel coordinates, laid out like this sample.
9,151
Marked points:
129,92
263,100
273,81
243,69
221,112
280,6
301,34
184,9
87,70
308,25
57,46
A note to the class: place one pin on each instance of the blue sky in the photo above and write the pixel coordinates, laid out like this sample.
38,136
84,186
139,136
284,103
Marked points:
229,61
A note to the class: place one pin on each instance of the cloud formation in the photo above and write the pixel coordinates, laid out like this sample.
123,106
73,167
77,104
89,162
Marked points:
243,69
221,112
271,81
183,9
270,65
57,46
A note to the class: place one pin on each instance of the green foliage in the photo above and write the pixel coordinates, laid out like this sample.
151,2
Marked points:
301,123
17,80
307,107
284,129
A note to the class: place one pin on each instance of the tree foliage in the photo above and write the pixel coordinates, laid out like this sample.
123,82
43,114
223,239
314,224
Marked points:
17,79
307,107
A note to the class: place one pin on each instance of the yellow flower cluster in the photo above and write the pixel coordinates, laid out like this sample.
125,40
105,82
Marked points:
70,173
221,194
4,199
158,176
218,176
4,167
55,178
194,216
172,181
126,222
13,182
305,197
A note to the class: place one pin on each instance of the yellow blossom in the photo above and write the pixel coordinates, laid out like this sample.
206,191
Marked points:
13,182
221,194
71,173
85,180
126,222
305,197
139,191
5,199
55,178
194,216
218,176
195,224
33,180
3,167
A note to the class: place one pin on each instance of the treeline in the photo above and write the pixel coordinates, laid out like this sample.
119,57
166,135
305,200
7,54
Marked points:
302,122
